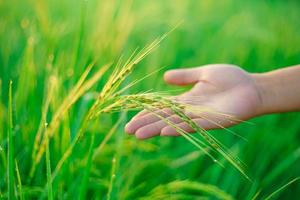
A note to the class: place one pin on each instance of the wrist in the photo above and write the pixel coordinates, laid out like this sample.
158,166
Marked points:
278,90
267,96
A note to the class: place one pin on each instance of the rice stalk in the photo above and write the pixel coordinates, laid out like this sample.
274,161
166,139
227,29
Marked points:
20,189
202,146
86,174
48,169
213,142
10,148
69,150
48,96
135,82
152,102
200,111
123,71
273,194
78,90
282,167
111,32
113,176
186,159
83,13
107,96
59,113
106,138
256,195
109,100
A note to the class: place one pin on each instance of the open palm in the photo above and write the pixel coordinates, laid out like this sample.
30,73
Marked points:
224,89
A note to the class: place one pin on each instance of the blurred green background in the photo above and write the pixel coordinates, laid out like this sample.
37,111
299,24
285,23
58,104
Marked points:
43,38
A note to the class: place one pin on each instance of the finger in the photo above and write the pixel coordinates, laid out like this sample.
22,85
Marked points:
148,118
202,123
182,76
155,128
140,114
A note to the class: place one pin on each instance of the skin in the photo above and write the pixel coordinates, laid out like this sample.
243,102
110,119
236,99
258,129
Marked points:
226,89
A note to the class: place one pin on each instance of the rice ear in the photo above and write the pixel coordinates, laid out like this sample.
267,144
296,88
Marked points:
81,87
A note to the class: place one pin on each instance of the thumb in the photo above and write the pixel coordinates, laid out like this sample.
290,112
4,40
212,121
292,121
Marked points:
182,76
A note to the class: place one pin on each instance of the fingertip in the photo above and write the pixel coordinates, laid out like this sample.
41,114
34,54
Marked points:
181,77
169,131
174,77
168,76
129,129
141,135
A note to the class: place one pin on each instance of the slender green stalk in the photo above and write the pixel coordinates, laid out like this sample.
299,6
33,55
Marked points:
256,195
86,175
112,179
282,188
81,31
282,167
48,166
106,138
48,97
19,181
10,148
68,152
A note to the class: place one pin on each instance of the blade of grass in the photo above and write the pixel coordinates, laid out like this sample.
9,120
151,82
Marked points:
48,96
137,81
72,145
282,188
282,167
10,148
113,176
48,166
107,137
84,182
81,32
256,195
19,181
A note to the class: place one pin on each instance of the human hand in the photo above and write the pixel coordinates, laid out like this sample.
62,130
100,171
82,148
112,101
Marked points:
223,88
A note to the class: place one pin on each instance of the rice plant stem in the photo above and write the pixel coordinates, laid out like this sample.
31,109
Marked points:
10,152
282,188
19,181
113,176
48,166
83,188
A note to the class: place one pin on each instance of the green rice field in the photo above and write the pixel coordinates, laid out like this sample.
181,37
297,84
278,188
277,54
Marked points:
62,122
